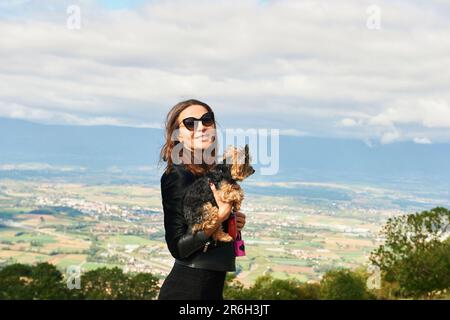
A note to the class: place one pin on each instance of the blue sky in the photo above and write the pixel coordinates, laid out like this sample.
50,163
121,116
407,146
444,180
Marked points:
305,67
132,4
120,4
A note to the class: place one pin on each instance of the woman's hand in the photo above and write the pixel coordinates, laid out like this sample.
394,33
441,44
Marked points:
240,221
224,207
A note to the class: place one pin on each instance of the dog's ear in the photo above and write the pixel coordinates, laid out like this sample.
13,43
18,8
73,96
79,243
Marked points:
247,155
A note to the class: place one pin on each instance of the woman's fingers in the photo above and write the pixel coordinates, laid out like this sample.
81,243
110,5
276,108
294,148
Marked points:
240,215
240,220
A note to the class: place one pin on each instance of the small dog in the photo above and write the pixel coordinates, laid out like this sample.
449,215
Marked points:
199,205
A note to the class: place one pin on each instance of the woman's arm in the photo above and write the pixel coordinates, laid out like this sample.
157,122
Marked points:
180,241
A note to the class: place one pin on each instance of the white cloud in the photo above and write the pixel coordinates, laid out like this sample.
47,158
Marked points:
390,136
348,122
16,111
39,166
312,66
293,132
430,113
422,140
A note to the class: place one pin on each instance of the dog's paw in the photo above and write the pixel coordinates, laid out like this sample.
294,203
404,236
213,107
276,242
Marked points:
225,238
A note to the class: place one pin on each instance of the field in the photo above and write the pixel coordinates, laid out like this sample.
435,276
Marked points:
70,224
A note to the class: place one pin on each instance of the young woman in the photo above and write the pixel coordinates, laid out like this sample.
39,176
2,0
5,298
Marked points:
200,263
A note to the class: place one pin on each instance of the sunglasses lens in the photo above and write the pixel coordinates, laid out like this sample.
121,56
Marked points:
207,120
189,123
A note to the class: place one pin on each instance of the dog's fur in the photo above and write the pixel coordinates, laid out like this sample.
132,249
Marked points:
199,205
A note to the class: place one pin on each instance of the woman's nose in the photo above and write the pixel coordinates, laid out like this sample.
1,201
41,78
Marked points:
200,126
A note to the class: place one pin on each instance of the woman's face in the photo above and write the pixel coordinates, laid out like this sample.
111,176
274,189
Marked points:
201,137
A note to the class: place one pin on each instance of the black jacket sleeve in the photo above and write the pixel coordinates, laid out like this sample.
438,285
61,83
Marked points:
180,241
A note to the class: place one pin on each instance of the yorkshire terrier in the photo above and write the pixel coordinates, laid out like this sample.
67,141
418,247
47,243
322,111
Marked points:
199,205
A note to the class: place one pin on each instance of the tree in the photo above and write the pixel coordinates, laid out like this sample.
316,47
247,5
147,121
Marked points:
104,284
233,289
268,288
416,252
23,282
13,282
144,286
113,284
47,282
44,281
343,285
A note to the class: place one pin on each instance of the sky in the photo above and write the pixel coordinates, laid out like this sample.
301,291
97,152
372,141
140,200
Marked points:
342,69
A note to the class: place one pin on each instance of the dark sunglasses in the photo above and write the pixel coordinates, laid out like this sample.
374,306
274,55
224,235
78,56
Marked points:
207,120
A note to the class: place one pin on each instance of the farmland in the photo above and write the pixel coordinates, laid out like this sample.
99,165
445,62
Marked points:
94,226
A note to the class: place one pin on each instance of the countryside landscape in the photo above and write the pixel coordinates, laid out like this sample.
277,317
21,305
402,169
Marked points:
290,235
86,198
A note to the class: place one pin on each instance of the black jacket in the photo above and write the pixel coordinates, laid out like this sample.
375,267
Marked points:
197,250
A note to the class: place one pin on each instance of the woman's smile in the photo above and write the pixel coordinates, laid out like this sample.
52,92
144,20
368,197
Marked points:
203,137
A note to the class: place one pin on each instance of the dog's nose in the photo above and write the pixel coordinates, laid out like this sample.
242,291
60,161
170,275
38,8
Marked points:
253,171
235,187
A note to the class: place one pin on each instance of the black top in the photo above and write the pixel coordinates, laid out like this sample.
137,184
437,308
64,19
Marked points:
186,248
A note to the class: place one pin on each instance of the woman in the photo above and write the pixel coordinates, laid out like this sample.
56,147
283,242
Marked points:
200,264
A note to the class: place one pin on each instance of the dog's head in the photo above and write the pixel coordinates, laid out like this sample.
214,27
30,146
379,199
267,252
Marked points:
238,159
220,173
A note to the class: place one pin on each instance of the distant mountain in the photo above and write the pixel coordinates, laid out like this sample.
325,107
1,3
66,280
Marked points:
89,146
354,158
100,147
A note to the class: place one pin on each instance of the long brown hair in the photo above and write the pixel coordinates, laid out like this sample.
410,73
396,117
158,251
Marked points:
171,125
